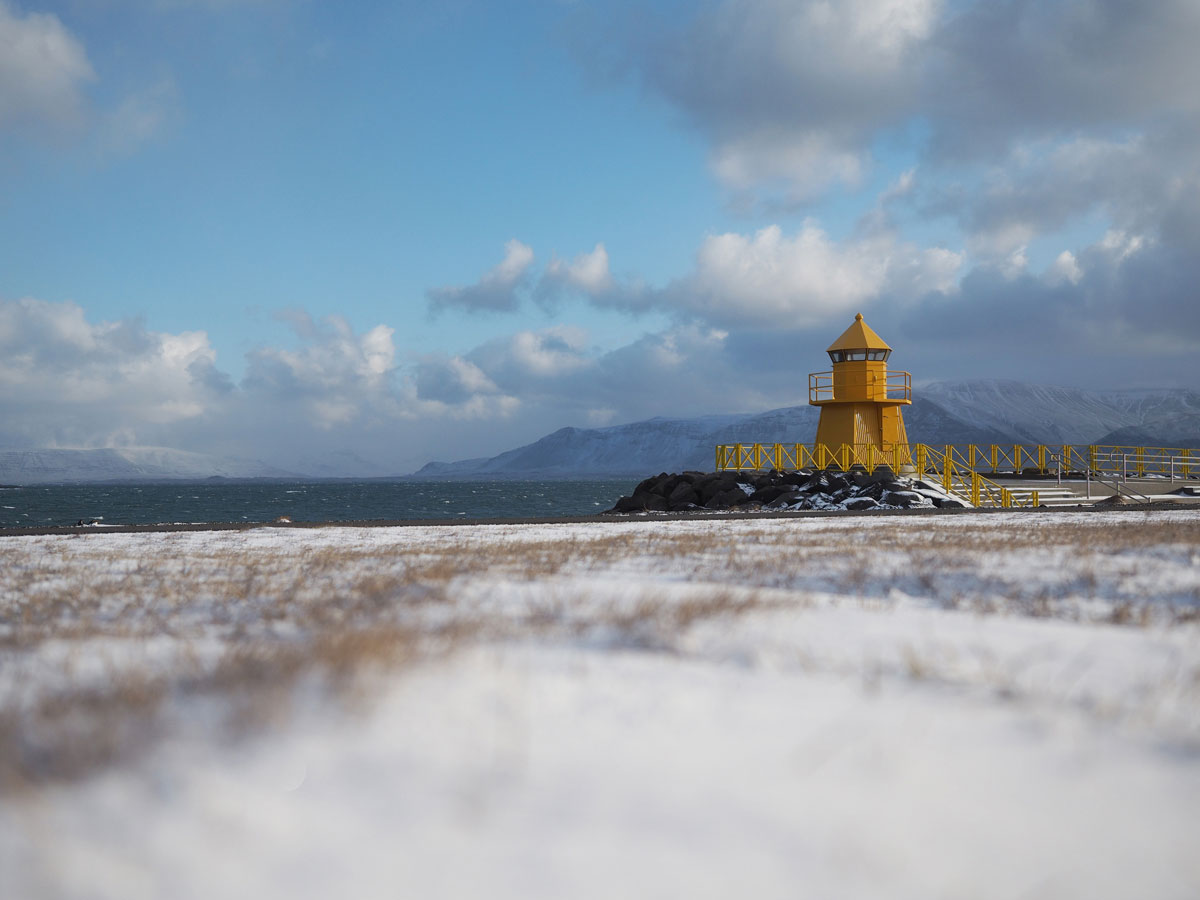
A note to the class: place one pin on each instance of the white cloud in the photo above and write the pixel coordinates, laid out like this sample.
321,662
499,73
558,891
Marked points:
793,282
1064,270
523,363
496,291
337,376
1120,245
795,95
68,382
42,71
806,163
451,380
587,272
789,90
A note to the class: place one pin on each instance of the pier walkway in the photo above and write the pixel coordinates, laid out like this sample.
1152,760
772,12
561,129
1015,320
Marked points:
974,472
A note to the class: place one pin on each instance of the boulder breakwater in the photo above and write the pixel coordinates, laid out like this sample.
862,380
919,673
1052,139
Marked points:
773,490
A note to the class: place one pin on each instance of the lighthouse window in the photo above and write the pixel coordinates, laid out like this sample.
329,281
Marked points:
856,354
878,354
837,356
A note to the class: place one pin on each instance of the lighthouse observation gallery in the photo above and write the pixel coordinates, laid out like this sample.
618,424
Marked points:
860,400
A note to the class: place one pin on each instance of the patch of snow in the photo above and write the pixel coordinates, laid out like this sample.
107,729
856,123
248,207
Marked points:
854,734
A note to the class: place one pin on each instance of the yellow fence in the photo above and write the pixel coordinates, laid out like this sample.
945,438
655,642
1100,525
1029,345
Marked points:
1127,462
955,477
786,457
960,468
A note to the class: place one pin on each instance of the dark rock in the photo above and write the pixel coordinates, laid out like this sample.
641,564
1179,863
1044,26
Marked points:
647,485
903,499
727,498
641,501
831,482
785,500
860,503
770,492
683,493
723,483
796,478
624,505
948,503
875,491
665,486
653,502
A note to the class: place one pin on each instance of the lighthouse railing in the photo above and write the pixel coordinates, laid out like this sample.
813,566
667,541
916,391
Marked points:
895,385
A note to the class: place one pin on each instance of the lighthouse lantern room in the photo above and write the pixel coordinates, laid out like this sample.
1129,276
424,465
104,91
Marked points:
860,399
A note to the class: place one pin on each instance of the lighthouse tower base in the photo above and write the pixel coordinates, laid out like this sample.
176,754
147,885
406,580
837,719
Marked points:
858,424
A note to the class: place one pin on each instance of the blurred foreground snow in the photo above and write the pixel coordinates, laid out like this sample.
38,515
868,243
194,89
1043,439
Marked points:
968,706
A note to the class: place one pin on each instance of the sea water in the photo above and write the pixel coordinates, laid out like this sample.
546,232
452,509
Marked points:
328,501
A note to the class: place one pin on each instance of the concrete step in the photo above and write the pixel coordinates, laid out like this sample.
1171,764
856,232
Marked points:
1053,496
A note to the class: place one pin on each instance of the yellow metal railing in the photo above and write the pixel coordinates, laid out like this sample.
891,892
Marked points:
947,465
991,459
958,478
1131,462
961,467
811,456
896,385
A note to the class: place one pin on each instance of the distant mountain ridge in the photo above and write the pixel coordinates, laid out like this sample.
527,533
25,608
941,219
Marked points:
125,464
979,412
1040,414
969,412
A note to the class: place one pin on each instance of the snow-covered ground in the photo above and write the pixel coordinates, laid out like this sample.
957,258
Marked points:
998,705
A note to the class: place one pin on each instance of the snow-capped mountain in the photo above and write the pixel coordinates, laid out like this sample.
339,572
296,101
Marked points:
973,412
1059,415
124,464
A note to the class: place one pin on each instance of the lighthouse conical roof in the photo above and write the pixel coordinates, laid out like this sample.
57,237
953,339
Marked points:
859,336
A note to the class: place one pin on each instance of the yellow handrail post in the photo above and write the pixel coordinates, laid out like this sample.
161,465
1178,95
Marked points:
995,457
1092,458
1041,458
1017,448
1141,461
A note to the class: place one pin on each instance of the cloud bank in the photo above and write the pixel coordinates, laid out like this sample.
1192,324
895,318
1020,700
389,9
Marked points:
1042,223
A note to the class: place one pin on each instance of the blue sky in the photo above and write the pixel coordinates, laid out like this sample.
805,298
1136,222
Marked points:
284,228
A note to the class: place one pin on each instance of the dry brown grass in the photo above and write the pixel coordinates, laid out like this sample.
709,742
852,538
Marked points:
241,627
327,614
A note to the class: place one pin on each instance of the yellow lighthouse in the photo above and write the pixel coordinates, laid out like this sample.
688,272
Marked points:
860,399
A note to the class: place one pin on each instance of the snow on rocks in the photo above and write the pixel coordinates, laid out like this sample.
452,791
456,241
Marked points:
774,490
